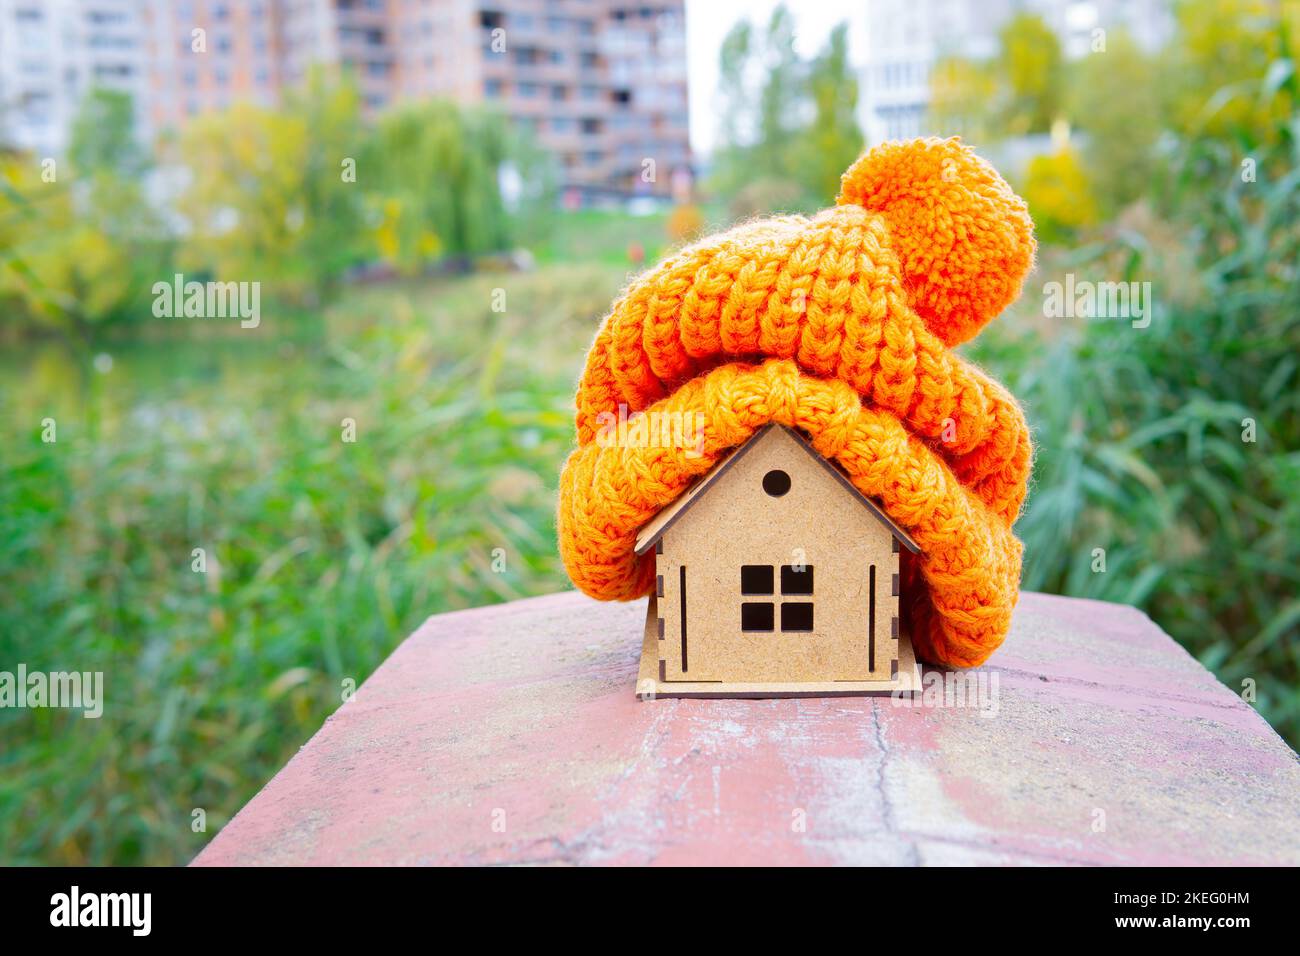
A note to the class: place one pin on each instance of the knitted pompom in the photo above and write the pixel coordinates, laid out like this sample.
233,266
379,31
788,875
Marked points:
963,238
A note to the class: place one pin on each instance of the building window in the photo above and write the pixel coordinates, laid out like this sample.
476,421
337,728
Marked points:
759,579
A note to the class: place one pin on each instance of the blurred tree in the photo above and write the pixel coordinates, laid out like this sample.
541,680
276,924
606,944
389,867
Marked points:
80,245
1112,100
275,195
734,100
35,213
1058,195
329,208
1030,62
244,198
781,98
1230,73
789,128
434,184
103,136
961,96
1016,93
833,141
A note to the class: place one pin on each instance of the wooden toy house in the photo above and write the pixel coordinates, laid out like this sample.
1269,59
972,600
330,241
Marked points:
774,577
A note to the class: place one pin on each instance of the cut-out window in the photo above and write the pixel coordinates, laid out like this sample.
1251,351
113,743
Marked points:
756,579
797,616
756,617
796,579
776,482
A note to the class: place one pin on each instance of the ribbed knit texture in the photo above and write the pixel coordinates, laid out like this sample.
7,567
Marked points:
840,326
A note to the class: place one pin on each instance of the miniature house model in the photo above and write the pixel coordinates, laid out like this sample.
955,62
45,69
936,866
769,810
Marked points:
774,577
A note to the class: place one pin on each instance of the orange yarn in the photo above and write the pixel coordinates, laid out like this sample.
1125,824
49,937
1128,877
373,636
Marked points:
855,309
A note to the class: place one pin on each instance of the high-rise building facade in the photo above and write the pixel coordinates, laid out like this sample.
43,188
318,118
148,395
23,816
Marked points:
600,84
52,53
906,38
203,55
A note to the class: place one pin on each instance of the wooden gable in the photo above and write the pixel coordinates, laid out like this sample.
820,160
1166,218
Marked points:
655,529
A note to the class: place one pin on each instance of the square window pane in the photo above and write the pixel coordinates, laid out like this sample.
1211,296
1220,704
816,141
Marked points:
756,617
756,579
795,581
797,616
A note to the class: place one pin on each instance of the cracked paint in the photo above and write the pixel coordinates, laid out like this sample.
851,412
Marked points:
511,735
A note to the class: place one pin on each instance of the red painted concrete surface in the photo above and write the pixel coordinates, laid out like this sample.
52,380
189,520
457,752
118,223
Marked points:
511,734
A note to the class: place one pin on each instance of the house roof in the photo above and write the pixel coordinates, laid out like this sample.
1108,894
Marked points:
668,516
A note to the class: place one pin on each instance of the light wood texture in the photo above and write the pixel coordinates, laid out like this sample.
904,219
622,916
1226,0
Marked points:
819,524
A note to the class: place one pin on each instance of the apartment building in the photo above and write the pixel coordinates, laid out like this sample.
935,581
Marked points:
600,83
52,52
907,37
203,55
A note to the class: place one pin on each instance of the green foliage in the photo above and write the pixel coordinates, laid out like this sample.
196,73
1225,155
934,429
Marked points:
833,141
1018,92
431,173
783,120
1230,72
733,87
779,97
1030,64
1112,101
293,197
961,91
1056,189
268,199
103,136
598,236
79,243
321,554
1176,447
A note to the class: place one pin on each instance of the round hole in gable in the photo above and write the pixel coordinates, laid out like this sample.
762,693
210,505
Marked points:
776,482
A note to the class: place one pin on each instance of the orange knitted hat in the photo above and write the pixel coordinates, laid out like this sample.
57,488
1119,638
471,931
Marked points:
841,326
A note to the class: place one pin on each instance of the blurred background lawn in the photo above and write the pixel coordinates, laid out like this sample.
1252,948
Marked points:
1175,448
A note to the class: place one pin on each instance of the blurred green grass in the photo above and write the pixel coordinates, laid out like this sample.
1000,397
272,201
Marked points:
589,235
321,554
